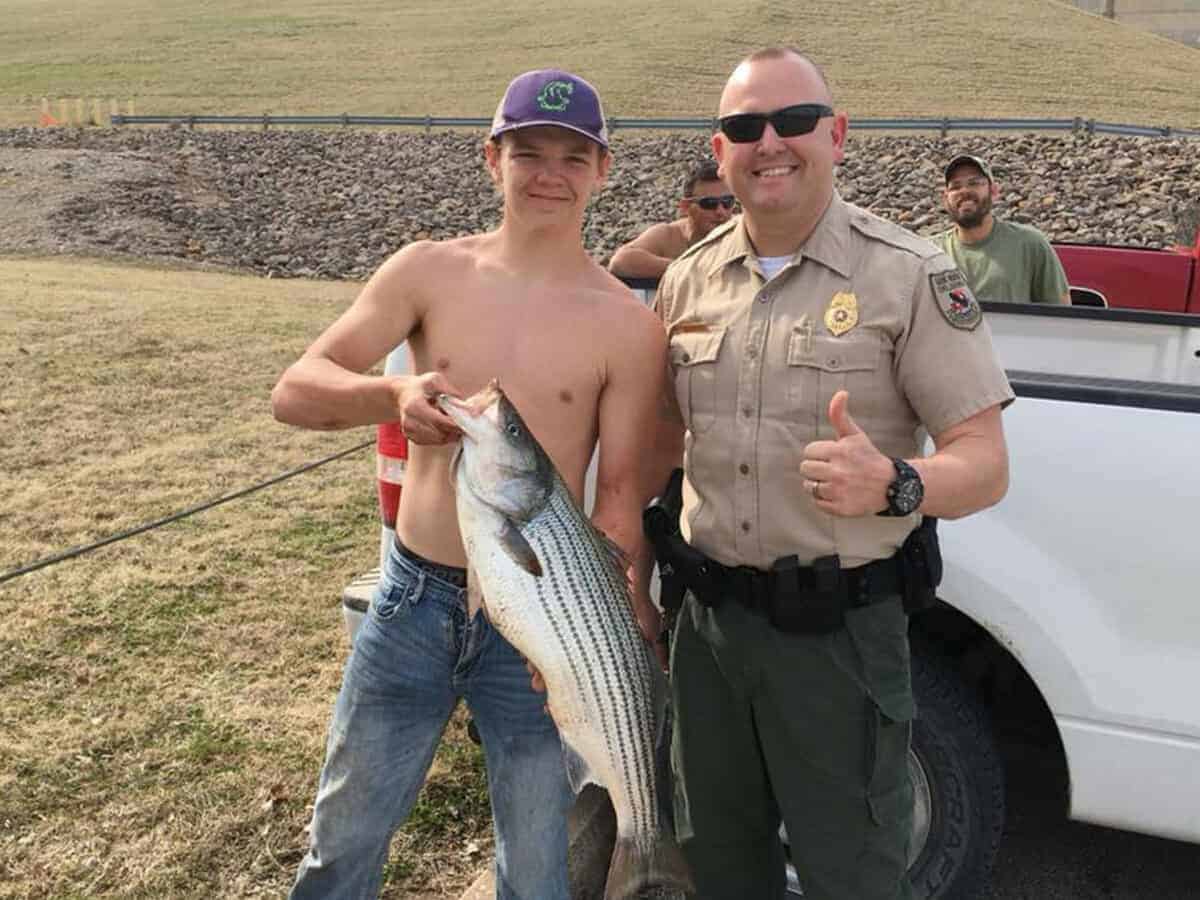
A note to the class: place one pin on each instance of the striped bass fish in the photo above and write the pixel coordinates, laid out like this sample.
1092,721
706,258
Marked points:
556,589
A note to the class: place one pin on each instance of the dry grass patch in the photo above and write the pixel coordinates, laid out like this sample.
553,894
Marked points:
165,698
885,57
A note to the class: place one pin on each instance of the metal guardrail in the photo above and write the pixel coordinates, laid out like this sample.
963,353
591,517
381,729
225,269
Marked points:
943,125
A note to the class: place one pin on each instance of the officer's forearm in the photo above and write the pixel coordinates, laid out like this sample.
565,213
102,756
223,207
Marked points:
969,471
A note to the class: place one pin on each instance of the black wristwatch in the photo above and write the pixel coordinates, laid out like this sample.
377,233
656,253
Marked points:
906,491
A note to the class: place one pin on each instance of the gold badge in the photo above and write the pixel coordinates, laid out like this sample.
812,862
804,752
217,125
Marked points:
842,314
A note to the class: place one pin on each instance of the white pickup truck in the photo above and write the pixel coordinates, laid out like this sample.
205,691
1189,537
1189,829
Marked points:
1071,609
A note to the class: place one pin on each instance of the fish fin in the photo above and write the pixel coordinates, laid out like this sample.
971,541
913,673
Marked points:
475,594
579,773
518,549
634,869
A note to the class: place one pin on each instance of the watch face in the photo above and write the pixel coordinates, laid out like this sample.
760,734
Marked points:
907,495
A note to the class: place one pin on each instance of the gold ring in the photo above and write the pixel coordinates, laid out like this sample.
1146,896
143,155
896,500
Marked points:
816,487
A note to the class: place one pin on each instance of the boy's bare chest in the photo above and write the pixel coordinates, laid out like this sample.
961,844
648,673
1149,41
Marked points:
546,356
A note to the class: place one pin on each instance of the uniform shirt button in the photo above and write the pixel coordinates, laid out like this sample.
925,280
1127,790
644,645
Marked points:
744,469
752,353
747,412
834,363
687,357
745,526
764,298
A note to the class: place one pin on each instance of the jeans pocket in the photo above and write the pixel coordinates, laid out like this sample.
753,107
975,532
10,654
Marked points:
396,596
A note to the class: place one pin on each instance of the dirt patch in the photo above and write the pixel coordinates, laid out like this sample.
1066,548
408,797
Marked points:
44,191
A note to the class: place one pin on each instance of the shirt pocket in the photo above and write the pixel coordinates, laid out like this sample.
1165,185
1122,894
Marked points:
820,365
694,356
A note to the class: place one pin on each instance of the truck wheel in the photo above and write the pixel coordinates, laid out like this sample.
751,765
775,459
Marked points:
959,781
958,785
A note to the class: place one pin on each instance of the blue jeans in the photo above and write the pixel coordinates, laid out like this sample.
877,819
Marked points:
414,656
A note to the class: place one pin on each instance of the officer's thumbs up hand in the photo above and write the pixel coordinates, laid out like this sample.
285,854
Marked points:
847,476
839,416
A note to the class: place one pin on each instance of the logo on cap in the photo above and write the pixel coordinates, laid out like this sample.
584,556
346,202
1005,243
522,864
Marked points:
555,95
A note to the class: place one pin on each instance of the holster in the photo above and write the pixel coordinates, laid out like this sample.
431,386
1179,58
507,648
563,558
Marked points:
660,522
921,563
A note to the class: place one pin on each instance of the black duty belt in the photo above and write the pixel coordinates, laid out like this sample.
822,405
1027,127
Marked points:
794,598
859,586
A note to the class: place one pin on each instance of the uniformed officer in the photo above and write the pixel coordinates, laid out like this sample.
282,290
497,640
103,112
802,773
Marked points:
812,347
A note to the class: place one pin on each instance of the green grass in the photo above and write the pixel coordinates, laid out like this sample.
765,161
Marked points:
165,698
884,57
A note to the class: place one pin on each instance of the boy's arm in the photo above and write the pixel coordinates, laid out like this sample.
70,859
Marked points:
326,388
627,413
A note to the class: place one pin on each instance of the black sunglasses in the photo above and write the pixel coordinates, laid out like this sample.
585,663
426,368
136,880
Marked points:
711,203
742,128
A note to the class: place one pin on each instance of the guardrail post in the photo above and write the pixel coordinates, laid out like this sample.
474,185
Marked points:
266,121
945,126
112,111
428,123
345,120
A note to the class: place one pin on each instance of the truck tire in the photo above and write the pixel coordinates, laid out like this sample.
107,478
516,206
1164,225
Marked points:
959,777
958,782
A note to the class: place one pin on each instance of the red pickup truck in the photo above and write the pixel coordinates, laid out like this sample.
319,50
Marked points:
1133,277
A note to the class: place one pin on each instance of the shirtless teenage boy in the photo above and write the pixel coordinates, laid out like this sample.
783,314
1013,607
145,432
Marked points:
583,360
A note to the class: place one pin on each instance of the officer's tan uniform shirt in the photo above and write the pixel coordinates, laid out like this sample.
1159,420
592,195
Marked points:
755,364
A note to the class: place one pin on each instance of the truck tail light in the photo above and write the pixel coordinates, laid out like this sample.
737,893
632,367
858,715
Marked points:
391,454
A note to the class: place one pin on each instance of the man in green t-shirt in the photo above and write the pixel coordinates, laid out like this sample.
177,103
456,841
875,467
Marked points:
1001,260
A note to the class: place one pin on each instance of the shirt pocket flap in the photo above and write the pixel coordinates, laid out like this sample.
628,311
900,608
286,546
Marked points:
830,354
691,347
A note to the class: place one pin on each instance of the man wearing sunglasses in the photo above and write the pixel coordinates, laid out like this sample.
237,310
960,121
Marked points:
810,347
1002,261
705,204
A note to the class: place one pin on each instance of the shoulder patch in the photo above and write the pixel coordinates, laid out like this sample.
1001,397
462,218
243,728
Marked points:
955,300
890,233
715,235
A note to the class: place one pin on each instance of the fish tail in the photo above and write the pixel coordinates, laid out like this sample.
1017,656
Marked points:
634,868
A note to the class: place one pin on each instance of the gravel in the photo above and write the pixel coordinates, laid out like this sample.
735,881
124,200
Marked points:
336,203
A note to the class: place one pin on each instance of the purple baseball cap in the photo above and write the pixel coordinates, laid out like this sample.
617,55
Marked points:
551,97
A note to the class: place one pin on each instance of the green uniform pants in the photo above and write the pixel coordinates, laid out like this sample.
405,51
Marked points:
813,729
